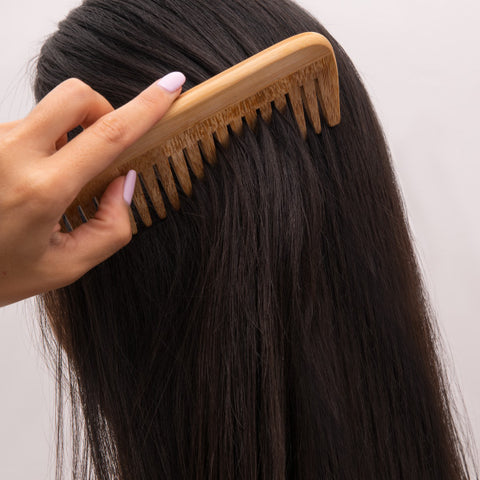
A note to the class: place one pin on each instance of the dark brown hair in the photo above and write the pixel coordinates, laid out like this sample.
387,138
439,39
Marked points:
276,326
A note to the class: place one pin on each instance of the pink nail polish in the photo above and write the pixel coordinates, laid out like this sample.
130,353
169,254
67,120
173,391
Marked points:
172,81
129,186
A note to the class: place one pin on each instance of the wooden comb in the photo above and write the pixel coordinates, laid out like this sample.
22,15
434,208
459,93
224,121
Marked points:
302,67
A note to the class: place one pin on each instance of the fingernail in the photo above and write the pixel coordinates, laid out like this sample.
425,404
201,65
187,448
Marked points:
129,186
172,81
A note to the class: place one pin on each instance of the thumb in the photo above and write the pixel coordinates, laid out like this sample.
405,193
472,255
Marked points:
107,232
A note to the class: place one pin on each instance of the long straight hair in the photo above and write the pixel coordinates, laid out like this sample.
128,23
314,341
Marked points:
276,326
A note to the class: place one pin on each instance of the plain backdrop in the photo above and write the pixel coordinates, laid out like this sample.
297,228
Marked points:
420,63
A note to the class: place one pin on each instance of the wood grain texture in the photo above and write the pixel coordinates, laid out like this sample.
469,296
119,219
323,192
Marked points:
302,68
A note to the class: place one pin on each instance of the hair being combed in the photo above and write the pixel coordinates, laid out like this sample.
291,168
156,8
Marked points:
276,326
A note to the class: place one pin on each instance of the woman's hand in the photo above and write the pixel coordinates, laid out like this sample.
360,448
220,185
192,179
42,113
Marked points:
41,174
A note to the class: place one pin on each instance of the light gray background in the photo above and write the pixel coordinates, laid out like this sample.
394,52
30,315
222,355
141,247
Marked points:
420,64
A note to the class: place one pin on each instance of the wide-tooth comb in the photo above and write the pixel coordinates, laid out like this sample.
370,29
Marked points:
302,67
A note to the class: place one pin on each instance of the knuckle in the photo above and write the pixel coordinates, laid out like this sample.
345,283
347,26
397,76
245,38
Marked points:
5,143
37,190
22,191
111,129
77,87
76,91
9,141
6,128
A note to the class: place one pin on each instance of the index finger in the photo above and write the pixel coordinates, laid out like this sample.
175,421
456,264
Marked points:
92,151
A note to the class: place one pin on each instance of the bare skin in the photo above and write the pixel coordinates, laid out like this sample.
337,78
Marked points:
41,174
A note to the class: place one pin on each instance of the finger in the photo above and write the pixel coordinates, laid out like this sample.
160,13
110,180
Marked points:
90,152
69,104
94,241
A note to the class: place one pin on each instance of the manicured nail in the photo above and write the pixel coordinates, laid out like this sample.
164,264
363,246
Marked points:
172,81
129,186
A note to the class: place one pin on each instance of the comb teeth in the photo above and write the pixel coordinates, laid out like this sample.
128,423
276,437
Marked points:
309,98
164,160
